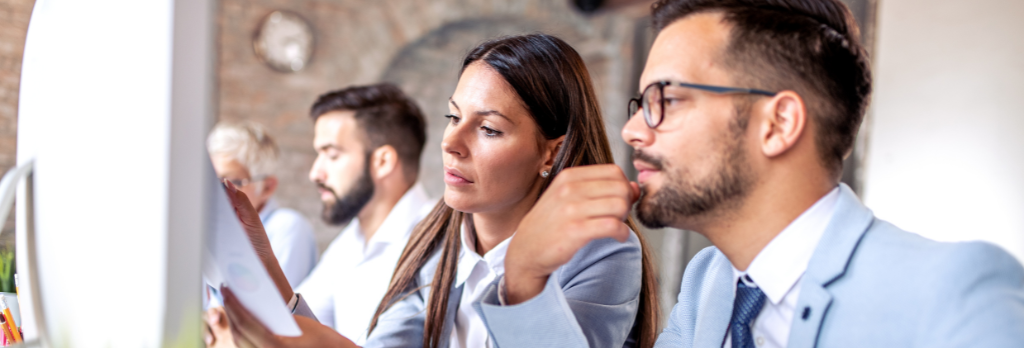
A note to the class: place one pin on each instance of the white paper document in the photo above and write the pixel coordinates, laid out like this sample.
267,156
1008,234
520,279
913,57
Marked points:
231,260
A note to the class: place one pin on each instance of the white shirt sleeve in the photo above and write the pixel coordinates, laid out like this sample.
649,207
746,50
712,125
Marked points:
318,288
291,238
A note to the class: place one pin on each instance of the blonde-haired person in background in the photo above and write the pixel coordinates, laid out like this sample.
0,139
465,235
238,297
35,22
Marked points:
246,155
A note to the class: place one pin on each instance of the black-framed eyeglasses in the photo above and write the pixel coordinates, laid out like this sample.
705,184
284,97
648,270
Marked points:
245,182
653,104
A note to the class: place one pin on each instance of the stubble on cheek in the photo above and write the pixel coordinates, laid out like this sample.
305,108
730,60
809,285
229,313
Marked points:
685,195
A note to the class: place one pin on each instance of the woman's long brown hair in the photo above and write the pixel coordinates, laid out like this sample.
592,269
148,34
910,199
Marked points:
552,81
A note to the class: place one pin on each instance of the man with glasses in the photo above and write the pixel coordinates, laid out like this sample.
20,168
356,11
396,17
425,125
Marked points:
246,155
747,110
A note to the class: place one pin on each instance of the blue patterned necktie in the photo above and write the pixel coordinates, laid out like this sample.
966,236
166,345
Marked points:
749,301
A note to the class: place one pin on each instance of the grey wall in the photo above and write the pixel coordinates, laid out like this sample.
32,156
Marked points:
946,152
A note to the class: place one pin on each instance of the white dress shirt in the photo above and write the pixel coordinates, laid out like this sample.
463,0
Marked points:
291,238
353,274
777,269
475,273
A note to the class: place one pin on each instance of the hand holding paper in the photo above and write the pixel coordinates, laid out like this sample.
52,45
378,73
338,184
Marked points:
249,332
253,227
242,260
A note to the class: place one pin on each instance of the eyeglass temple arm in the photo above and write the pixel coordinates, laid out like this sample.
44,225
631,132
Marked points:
718,89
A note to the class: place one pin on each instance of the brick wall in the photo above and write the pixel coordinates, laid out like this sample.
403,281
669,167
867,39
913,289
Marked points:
14,15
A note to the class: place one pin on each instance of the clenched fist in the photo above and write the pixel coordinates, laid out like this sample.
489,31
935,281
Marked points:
581,204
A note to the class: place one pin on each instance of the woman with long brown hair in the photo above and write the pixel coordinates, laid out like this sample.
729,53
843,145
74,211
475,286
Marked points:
524,110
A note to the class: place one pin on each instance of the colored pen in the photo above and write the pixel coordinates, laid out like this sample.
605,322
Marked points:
8,336
10,320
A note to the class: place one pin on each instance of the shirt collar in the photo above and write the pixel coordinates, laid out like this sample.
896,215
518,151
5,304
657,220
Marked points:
352,234
777,268
469,258
268,209
400,220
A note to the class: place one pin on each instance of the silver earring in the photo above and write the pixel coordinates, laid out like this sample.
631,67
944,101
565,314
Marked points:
544,174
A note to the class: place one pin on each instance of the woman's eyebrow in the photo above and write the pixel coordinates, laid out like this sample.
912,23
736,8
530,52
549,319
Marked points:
482,113
493,113
454,104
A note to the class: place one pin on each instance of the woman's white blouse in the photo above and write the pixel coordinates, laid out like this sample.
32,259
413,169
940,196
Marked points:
475,273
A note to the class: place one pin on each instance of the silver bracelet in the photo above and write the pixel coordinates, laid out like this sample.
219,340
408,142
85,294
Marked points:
293,302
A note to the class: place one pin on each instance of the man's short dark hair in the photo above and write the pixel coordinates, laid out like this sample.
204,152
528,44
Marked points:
386,115
811,47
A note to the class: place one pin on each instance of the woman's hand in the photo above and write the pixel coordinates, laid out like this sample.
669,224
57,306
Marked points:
253,227
249,332
582,204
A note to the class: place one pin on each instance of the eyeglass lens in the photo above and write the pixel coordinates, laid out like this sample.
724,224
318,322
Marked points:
653,104
634,106
238,182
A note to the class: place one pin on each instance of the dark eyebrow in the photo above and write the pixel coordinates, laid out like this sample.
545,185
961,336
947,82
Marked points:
453,104
494,113
327,146
482,113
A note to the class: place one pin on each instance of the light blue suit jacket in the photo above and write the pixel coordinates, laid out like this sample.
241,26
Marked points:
596,294
870,284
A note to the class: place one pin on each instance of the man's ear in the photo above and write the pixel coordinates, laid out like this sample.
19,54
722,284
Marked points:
269,187
784,121
551,148
383,162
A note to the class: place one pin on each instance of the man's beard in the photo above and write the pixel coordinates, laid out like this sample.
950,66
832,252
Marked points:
683,197
344,209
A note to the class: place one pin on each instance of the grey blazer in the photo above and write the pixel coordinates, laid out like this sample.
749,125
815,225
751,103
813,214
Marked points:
597,292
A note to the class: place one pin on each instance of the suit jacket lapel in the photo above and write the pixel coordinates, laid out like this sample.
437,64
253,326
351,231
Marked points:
809,314
828,263
716,306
